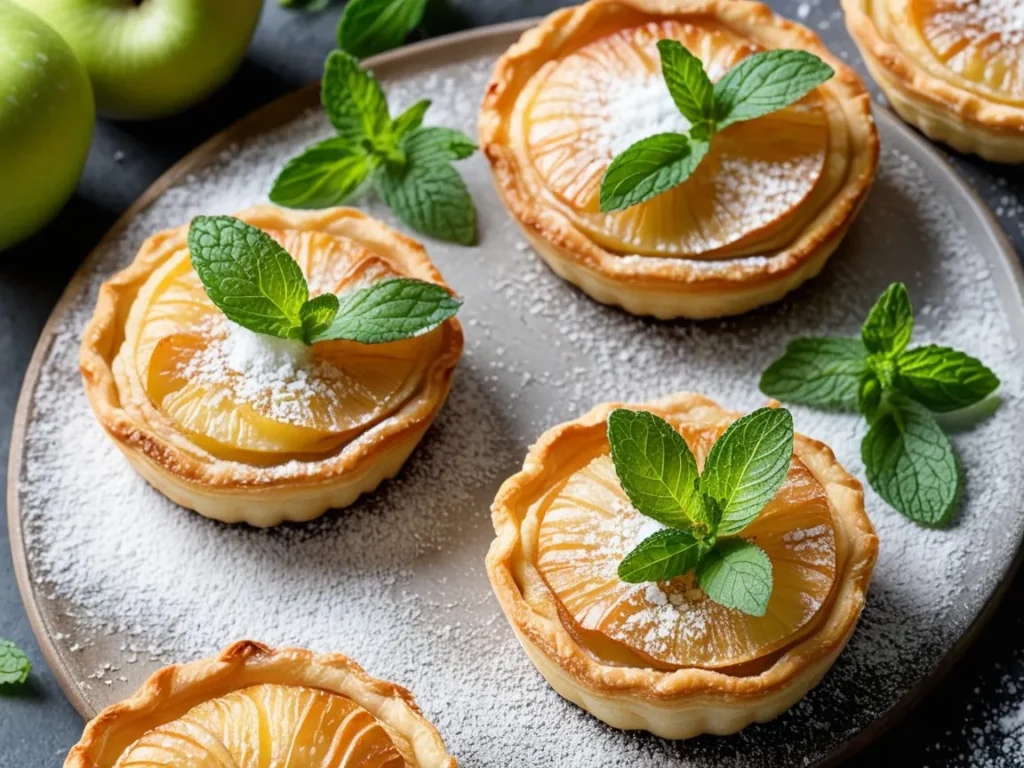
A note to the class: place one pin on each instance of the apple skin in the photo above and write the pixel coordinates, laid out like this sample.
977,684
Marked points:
152,58
46,122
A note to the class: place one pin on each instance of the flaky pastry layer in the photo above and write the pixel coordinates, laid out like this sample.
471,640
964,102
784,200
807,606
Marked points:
172,691
665,286
941,104
232,491
686,702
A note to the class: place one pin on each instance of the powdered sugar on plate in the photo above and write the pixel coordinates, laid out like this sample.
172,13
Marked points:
126,581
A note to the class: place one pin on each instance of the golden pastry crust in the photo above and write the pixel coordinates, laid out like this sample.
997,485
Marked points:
233,491
684,702
665,286
945,106
172,691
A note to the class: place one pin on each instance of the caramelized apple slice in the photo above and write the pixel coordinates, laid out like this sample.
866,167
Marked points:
268,726
584,111
249,397
590,526
981,41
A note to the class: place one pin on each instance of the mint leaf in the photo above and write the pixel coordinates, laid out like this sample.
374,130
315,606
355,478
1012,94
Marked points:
353,99
326,174
765,82
14,664
738,575
390,310
428,194
890,323
436,145
317,315
943,379
689,85
747,465
371,26
824,372
411,119
648,168
660,557
910,462
655,467
248,275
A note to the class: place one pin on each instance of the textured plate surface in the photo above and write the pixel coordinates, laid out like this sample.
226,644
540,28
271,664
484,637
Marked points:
118,581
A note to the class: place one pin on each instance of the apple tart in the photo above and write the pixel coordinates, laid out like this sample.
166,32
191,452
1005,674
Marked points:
255,707
759,216
662,656
244,427
953,68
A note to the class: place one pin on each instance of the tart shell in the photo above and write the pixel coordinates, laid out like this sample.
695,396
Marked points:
963,120
685,702
172,691
669,288
231,491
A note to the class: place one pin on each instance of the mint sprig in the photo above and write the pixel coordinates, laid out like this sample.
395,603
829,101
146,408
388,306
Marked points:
908,459
408,164
762,83
14,664
703,513
258,285
371,26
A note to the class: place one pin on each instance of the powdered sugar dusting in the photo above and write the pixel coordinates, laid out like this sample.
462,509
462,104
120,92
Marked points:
128,581
637,107
277,376
1001,17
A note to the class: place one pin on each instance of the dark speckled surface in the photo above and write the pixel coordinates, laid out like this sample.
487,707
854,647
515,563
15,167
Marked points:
967,720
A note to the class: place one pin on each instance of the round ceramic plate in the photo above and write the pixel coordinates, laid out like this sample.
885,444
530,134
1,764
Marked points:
118,581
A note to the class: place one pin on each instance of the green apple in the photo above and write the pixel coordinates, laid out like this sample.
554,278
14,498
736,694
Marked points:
150,58
46,122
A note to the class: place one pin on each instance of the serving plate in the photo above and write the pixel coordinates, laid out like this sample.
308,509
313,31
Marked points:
117,581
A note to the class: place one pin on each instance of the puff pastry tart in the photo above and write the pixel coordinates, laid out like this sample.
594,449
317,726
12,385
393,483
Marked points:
953,68
758,217
254,707
662,656
244,427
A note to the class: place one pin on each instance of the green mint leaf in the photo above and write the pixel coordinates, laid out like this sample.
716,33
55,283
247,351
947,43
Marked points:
890,323
431,198
765,82
390,310
328,173
738,575
317,315
436,145
943,379
648,168
248,275
660,557
353,99
823,372
371,26
655,467
910,463
411,119
689,85
747,465
14,664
